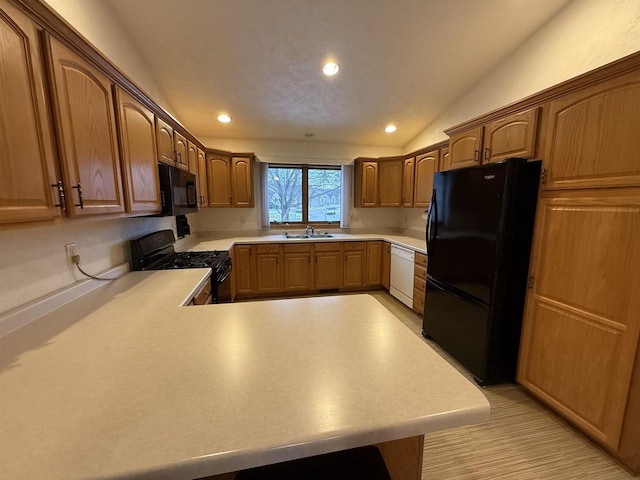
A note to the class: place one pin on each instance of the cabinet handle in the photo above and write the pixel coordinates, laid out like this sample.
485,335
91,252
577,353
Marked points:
79,188
486,153
60,189
475,156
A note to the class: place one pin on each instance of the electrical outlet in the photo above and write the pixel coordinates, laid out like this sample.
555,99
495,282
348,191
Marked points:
242,220
71,249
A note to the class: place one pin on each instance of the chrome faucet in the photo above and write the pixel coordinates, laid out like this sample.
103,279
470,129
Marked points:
308,230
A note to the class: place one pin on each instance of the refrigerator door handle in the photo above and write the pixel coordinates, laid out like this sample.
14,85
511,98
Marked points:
432,220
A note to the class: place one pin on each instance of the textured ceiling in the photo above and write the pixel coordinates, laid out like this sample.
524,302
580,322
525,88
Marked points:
260,61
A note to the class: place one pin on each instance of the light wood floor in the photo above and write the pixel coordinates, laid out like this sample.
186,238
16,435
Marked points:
523,440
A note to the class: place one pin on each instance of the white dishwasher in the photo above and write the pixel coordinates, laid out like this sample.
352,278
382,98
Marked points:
401,284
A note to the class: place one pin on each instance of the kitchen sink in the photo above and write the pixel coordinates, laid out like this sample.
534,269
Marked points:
320,235
305,235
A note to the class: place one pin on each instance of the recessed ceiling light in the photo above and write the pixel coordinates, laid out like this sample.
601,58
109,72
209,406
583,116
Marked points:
390,128
224,118
330,69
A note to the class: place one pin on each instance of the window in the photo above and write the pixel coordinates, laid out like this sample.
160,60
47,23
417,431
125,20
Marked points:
304,194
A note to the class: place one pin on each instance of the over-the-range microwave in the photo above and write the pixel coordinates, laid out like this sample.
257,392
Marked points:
177,191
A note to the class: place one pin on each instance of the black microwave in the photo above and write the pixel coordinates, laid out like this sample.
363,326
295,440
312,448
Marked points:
177,191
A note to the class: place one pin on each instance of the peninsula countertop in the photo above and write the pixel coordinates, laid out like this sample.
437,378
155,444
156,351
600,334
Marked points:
125,382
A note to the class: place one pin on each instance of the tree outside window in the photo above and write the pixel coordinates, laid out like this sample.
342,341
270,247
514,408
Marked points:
304,194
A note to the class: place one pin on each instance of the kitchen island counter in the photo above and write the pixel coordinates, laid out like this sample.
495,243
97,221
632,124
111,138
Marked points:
127,383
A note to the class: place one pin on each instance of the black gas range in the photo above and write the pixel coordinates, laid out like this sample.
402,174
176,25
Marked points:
155,251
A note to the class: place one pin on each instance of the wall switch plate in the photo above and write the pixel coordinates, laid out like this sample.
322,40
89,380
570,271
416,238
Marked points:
71,249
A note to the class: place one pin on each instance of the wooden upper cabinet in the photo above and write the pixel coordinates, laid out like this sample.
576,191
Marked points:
365,192
242,181
180,146
445,159
87,138
138,150
464,149
426,166
203,191
192,157
593,136
219,180
580,337
407,182
390,183
164,142
28,169
511,136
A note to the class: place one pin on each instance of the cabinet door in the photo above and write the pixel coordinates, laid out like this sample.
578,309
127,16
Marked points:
180,145
298,271
328,269
426,166
407,182
592,136
386,265
465,149
581,324
268,273
192,157
445,159
28,170
390,183
164,142
219,180
203,191
511,136
87,134
368,184
243,269
374,263
353,260
242,182
138,150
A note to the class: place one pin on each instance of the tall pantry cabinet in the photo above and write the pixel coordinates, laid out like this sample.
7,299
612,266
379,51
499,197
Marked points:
580,343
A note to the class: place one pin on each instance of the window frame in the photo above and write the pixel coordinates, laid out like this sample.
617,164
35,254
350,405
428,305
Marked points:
305,195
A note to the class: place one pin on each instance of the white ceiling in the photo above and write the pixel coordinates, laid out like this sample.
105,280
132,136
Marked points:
260,61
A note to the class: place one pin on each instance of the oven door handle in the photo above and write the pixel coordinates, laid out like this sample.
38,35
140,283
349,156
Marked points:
226,275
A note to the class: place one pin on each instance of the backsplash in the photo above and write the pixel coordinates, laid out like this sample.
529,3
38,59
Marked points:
34,261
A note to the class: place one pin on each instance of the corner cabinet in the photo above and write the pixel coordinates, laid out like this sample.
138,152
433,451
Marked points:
390,182
87,139
28,184
138,150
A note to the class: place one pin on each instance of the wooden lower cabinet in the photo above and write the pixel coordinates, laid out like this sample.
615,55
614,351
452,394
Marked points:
328,265
386,265
298,267
243,270
269,272
419,282
374,263
580,341
353,258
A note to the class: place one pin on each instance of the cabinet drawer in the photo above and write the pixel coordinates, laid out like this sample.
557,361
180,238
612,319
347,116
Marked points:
419,284
268,248
204,296
420,272
418,302
351,246
421,259
298,248
327,246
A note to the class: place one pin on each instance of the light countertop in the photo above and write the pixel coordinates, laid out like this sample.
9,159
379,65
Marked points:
227,243
127,383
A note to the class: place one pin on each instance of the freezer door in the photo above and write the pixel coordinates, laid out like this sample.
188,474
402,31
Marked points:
463,224
459,325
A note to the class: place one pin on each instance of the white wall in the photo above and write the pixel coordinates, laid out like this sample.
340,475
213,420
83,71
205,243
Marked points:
585,35
99,24
33,259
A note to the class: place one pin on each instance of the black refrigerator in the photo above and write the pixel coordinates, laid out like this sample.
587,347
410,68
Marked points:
479,229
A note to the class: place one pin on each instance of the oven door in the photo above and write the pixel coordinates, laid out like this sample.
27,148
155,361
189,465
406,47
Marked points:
221,284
